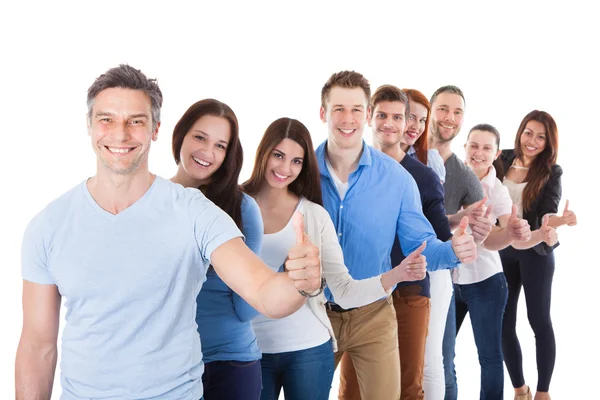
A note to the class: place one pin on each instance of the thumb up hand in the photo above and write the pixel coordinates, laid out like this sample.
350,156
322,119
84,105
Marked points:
569,216
303,263
413,267
463,244
518,228
549,235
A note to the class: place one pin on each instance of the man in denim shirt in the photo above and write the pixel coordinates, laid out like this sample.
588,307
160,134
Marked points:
372,199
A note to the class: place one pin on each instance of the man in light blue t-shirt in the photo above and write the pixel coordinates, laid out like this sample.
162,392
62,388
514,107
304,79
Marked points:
128,252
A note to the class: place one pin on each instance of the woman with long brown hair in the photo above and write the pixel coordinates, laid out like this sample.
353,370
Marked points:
298,350
208,153
534,182
415,141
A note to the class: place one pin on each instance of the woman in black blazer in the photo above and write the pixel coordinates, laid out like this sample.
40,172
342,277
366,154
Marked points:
534,182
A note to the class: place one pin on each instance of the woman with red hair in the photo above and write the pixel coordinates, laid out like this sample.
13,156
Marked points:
533,180
415,141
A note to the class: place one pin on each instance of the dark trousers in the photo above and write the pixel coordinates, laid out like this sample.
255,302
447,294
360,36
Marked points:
232,380
533,272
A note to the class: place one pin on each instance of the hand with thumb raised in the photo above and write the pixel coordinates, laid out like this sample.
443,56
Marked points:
413,267
569,216
518,228
463,244
303,263
549,235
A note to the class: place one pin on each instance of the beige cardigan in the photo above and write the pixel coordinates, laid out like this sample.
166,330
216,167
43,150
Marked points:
348,292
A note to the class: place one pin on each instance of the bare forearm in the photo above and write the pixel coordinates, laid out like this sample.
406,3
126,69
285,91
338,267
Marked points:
34,372
389,279
498,239
556,221
536,238
279,297
454,219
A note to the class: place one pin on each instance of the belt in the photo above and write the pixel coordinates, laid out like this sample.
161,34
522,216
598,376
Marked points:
335,308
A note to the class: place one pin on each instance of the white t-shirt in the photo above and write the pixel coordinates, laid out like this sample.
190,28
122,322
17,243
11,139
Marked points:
488,262
342,187
129,283
299,331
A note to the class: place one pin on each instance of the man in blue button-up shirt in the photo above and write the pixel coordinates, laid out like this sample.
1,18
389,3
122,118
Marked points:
372,199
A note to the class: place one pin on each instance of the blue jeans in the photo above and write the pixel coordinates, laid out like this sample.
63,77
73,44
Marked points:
303,374
485,302
448,345
232,380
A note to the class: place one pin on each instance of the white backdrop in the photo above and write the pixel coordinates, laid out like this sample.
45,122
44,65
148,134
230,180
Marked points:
268,60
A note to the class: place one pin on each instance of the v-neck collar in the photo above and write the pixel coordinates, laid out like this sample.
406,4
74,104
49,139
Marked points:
138,203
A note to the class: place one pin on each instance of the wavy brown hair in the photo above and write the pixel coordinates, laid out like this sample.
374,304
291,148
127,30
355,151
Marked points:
422,144
308,183
223,189
541,168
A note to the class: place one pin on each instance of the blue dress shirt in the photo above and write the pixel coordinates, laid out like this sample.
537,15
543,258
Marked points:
382,203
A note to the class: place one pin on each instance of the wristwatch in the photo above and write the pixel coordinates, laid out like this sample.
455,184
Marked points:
303,293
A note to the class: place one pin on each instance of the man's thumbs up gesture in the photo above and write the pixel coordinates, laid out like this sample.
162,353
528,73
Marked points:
463,243
413,267
303,263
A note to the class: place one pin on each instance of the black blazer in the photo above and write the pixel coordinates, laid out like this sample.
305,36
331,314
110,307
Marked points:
546,202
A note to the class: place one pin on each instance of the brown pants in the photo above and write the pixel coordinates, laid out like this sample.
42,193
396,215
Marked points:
412,313
369,336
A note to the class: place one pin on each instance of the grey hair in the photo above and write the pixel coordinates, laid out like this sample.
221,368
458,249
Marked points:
126,77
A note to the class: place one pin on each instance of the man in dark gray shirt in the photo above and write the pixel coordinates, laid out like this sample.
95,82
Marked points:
463,195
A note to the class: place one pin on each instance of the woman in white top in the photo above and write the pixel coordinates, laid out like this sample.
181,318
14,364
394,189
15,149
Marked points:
298,350
480,287
415,141
533,179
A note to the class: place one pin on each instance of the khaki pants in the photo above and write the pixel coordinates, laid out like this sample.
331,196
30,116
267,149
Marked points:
412,312
369,336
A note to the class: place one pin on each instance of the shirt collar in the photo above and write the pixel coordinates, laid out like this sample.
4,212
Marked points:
490,179
366,158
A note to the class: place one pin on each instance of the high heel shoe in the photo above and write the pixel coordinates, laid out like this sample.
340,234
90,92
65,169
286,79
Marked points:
524,396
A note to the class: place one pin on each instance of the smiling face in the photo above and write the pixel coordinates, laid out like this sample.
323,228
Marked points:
415,126
388,123
533,139
204,148
345,115
284,164
447,116
120,127
481,150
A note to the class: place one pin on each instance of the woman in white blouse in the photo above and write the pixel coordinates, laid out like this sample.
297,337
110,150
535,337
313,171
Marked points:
480,288
298,350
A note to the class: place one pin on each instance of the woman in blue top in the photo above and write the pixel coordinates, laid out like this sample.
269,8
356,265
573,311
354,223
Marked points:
207,150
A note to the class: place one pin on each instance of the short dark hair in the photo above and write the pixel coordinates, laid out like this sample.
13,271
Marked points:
486,128
348,80
126,77
390,93
447,89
